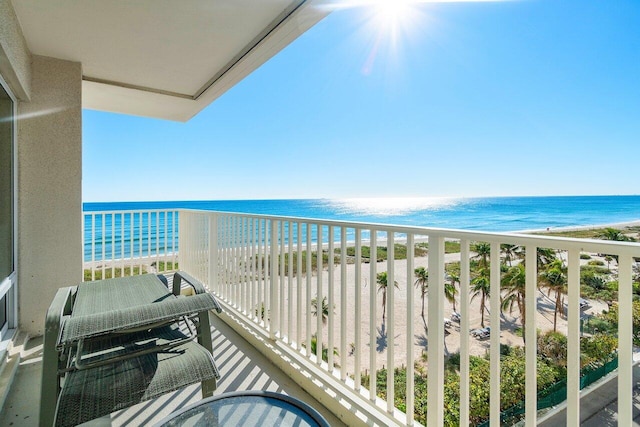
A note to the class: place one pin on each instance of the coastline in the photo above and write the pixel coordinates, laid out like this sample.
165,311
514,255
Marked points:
619,225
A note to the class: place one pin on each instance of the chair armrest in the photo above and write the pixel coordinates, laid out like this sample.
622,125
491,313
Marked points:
58,311
197,286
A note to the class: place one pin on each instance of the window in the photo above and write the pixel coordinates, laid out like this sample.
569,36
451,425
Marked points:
7,211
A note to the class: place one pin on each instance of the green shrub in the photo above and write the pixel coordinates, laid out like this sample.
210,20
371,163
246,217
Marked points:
585,256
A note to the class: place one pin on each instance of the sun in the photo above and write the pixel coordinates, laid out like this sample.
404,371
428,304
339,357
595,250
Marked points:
391,13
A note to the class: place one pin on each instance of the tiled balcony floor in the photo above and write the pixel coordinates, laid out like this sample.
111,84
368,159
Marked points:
242,368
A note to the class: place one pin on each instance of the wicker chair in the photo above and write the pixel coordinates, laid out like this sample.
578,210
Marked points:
122,341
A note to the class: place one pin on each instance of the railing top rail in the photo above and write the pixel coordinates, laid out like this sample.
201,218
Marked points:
120,211
553,242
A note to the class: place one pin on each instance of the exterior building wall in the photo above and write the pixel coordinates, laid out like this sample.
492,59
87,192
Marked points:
15,59
49,188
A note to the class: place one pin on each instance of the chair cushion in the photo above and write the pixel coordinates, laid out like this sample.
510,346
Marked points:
98,391
122,320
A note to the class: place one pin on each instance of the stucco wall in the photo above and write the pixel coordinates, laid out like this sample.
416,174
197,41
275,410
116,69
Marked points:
49,188
15,59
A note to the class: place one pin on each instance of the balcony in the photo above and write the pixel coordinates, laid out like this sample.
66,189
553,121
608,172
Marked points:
243,366
274,274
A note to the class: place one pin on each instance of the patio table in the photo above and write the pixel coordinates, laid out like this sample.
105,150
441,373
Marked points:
247,408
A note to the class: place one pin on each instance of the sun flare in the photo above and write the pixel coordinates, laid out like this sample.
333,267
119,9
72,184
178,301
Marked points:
391,25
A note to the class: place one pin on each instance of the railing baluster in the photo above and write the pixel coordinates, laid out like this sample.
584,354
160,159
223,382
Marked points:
573,339
254,268
93,247
373,250
435,380
281,282
274,316
358,313
103,244
330,284
235,277
261,307
531,356
494,359
410,330
157,228
131,241
122,246
174,235
249,265
290,284
113,245
319,311
140,227
149,237
309,297
625,342
464,332
299,286
344,326
213,252
391,281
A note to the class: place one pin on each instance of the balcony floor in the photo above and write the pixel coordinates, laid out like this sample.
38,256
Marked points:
241,365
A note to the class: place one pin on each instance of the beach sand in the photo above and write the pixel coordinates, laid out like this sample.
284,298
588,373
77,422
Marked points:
508,324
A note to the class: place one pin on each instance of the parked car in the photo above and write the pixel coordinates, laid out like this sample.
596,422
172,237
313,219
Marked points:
482,333
584,304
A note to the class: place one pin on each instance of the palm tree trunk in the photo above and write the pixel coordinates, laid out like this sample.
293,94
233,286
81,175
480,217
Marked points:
482,310
423,318
555,313
523,308
384,305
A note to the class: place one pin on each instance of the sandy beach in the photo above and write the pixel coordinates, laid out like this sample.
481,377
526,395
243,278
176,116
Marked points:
509,322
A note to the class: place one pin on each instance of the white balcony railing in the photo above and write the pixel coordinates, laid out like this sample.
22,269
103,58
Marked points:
260,268
125,243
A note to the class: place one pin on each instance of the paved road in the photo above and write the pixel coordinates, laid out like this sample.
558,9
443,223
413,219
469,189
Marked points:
599,406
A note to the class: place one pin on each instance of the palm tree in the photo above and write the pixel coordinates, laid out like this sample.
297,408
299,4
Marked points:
483,251
555,280
422,283
381,280
325,350
481,285
614,234
450,290
513,282
510,252
545,257
324,308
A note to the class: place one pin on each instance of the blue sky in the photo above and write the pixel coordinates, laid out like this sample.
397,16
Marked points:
531,97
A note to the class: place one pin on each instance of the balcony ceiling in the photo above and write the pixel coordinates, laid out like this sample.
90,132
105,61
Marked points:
162,58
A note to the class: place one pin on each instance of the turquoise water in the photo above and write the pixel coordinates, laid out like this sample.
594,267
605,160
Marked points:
486,214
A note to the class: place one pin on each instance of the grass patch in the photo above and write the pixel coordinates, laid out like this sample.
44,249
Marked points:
110,274
165,265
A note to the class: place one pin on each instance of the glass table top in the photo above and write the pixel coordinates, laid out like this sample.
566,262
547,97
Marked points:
247,409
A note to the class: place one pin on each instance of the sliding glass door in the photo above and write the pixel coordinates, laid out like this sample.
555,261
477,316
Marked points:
7,213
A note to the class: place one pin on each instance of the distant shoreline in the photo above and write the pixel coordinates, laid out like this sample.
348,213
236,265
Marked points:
619,225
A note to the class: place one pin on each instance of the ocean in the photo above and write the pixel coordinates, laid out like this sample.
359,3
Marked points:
483,213
496,214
